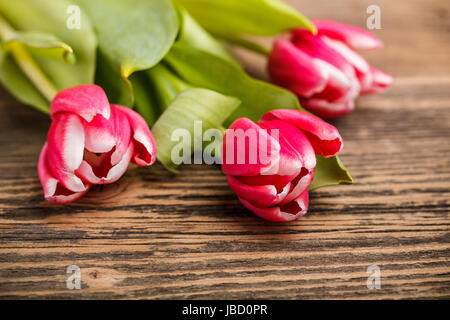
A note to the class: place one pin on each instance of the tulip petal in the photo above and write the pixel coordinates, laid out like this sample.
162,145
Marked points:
241,148
324,137
381,81
296,150
338,84
334,102
99,135
299,186
354,37
119,169
66,150
289,212
294,70
315,47
352,56
53,190
144,143
102,135
365,80
278,181
362,67
261,196
110,174
86,101
328,110
296,155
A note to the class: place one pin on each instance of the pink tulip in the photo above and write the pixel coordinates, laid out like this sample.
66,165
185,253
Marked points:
90,142
324,70
277,189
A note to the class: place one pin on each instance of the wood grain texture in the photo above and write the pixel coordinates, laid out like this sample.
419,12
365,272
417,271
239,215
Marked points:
157,236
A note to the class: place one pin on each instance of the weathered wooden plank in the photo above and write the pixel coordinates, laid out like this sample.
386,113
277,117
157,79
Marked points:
154,235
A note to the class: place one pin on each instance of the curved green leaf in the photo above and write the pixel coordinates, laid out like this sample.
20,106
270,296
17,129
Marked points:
191,33
191,105
19,85
50,17
44,45
134,34
257,17
330,172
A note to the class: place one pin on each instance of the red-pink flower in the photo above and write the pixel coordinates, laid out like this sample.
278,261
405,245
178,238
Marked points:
324,70
90,142
275,186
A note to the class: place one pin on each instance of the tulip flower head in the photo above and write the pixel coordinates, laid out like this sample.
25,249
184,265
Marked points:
275,187
324,69
90,142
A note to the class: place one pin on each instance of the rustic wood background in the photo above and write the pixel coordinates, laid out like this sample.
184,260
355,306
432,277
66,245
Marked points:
157,236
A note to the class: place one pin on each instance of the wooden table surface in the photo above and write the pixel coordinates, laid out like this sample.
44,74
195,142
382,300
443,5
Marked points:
157,236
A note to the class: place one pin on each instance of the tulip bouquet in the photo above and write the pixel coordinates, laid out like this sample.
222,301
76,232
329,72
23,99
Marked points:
108,70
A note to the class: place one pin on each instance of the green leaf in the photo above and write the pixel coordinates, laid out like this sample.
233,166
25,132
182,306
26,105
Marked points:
50,17
134,34
44,45
191,33
167,85
256,17
117,90
191,105
145,100
330,172
206,70
19,85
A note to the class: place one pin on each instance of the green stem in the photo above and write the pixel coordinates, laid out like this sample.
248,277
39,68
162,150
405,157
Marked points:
26,62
